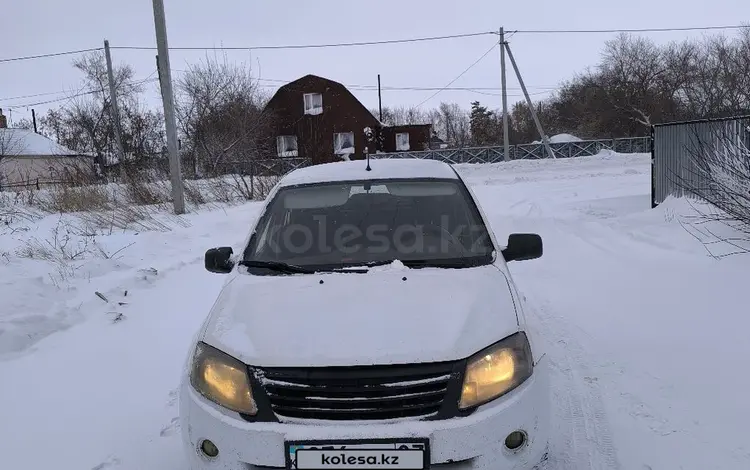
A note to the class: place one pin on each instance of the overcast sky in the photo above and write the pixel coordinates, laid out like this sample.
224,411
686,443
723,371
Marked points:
31,27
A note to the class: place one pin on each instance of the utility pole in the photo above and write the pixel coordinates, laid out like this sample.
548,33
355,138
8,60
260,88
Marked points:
175,167
113,109
380,101
545,139
506,144
33,119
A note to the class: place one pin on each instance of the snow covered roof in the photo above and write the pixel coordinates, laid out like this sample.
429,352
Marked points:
561,139
27,143
380,169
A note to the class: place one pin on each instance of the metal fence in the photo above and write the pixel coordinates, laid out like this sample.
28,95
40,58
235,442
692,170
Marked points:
683,153
37,184
266,167
528,151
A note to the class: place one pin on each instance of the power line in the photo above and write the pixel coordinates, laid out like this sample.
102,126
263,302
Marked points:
459,75
389,41
478,90
358,87
398,88
418,88
81,93
51,54
315,46
258,48
632,30
11,98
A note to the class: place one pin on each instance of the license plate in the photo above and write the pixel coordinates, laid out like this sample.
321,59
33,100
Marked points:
407,453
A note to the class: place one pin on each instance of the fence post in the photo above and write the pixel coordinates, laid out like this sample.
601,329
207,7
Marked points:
653,164
37,184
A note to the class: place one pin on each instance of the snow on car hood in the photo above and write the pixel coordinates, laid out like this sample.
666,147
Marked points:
356,319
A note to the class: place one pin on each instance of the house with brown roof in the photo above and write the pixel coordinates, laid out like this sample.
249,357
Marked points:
320,119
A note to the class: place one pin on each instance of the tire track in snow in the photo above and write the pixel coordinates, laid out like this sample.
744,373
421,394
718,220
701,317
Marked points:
581,438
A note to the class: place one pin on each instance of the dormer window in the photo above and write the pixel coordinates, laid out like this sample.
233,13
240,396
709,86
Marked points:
313,103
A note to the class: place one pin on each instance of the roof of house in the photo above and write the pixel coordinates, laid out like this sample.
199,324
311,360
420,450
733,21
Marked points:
398,168
27,143
293,86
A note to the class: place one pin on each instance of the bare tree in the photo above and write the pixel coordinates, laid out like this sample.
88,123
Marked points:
85,124
220,115
638,83
403,115
451,122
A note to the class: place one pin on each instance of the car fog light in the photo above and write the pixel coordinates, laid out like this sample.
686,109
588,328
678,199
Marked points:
209,449
515,440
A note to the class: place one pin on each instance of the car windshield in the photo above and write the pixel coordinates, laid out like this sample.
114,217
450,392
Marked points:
337,225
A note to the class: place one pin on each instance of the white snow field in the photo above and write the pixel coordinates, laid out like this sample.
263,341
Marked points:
647,333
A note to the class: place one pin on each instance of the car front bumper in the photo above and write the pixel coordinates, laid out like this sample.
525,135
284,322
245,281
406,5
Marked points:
472,442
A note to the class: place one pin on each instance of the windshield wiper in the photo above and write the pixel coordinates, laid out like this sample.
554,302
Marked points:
441,263
277,266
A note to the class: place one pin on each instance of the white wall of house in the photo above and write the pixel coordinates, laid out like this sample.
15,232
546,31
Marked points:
27,169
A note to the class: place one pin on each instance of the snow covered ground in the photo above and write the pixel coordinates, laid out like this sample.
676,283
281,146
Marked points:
646,331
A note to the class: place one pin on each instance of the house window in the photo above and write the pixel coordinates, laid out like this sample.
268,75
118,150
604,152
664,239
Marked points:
402,141
313,103
343,143
286,145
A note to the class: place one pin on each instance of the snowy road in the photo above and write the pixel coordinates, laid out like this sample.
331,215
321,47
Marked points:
646,333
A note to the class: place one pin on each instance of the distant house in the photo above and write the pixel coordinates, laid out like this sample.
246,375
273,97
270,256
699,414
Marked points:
28,158
320,119
437,143
410,137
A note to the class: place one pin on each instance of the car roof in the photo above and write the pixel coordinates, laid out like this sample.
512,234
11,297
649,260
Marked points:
398,168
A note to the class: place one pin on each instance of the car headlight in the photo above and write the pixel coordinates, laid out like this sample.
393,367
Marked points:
222,379
496,371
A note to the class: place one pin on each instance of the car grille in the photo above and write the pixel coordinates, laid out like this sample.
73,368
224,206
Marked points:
358,393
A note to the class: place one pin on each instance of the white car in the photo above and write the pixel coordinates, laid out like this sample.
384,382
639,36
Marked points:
368,322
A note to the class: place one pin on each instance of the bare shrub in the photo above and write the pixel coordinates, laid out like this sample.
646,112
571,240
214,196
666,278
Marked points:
243,188
11,212
193,193
220,190
66,249
63,198
66,244
145,193
720,175
264,185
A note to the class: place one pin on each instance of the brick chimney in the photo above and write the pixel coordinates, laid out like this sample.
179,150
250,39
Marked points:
3,120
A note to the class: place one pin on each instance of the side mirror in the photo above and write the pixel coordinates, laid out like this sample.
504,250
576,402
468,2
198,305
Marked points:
218,260
523,246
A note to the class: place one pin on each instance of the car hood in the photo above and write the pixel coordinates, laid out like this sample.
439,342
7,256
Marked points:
388,316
